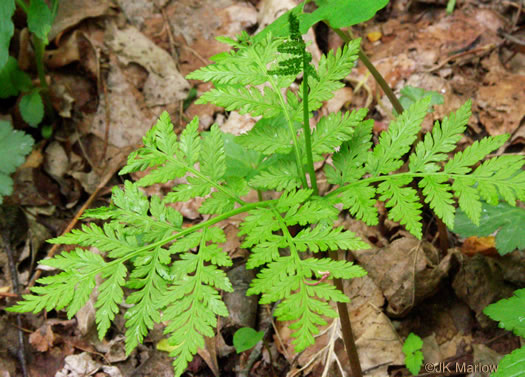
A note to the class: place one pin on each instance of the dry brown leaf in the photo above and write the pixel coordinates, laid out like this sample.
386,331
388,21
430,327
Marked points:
480,245
43,338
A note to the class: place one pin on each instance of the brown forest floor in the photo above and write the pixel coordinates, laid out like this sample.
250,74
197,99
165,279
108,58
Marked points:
114,69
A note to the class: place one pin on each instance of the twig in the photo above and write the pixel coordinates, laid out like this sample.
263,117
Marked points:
73,222
21,352
483,49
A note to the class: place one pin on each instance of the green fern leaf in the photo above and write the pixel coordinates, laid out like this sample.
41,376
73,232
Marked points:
324,238
360,202
333,67
437,195
268,136
403,203
148,284
462,161
397,140
245,100
212,158
110,295
350,159
440,141
501,174
281,176
334,129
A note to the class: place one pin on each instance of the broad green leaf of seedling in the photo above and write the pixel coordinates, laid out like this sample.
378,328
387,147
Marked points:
7,8
413,354
504,218
411,94
39,19
32,108
509,313
512,365
338,13
13,80
246,338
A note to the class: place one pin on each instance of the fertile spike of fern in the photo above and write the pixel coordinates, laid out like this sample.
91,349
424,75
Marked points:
396,141
294,45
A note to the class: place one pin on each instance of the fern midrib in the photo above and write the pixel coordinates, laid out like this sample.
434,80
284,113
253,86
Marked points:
342,189
183,233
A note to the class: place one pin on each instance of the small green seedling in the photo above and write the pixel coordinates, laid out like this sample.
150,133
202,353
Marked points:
411,94
413,355
14,81
246,338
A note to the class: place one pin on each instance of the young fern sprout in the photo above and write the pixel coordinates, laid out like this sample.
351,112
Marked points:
174,274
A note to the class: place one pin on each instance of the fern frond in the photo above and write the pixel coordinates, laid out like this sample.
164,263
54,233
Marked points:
403,203
244,100
440,141
280,176
193,302
333,130
333,67
350,159
268,136
324,238
397,140
360,202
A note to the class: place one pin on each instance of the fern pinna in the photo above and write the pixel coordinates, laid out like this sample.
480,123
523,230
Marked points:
171,273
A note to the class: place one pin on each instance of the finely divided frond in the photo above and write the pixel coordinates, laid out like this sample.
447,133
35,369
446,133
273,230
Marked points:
397,140
244,100
403,203
333,67
440,141
350,159
333,130
323,238
268,136
360,201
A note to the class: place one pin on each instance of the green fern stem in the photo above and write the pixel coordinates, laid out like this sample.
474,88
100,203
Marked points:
300,169
380,178
306,127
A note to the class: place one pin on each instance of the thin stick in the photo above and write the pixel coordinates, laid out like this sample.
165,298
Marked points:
346,328
21,352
